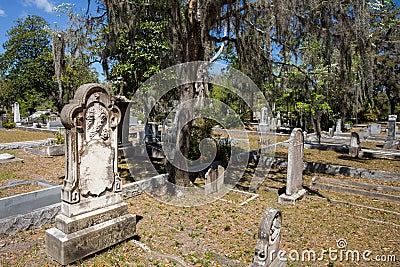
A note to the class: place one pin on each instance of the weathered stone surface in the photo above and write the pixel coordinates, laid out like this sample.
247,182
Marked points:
338,126
355,191
34,219
55,150
354,147
391,141
214,180
69,225
374,129
285,199
269,237
6,156
19,145
295,162
24,203
67,248
93,216
294,183
17,115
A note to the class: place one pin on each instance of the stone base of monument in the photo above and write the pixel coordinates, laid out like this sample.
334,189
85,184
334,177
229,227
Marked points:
77,237
285,199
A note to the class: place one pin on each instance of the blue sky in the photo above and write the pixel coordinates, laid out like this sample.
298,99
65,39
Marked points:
11,10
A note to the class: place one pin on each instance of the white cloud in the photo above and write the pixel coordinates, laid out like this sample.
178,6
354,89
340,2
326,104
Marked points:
46,5
2,13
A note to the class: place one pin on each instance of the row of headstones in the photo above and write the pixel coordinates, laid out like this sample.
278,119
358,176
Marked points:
93,215
372,129
268,123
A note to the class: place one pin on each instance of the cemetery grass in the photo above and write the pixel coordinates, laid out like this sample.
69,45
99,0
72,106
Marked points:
33,167
13,135
225,234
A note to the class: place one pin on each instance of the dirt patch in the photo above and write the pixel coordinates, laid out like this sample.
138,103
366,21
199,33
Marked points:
9,136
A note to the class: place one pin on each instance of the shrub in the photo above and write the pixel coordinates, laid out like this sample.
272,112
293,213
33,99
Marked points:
9,125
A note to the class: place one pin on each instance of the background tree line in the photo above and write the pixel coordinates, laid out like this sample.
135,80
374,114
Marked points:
315,61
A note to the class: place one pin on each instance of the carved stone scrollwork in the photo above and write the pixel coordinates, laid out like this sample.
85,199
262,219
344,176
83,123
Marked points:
269,237
91,121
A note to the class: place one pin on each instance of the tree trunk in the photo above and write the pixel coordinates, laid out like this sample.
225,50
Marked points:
193,50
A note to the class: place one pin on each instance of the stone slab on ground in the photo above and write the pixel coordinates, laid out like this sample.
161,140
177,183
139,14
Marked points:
34,219
354,191
25,203
6,158
20,145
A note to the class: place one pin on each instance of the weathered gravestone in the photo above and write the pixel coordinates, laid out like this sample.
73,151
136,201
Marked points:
339,126
93,215
331,132
374,129
354,147
391,141
214,180
17,115
294,183
364,133
269,237
263,126
1,123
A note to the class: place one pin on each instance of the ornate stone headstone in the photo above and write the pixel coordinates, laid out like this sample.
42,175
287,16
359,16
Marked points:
354,147
214,180
17,115
339,126
391,141
269,237
294,183
93,215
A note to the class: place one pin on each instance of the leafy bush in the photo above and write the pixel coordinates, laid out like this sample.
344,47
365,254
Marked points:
9,125
59,138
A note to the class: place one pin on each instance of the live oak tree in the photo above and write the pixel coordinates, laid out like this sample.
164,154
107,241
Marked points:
320,50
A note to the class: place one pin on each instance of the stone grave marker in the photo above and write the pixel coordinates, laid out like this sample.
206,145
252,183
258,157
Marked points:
268,241
331,132
391,141
17,115
93,215
1,123
214,180
364,133
294,183
263,126
339,126
354,148
374,129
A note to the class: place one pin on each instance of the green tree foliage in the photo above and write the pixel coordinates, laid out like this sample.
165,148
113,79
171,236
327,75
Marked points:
27,65
385,35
